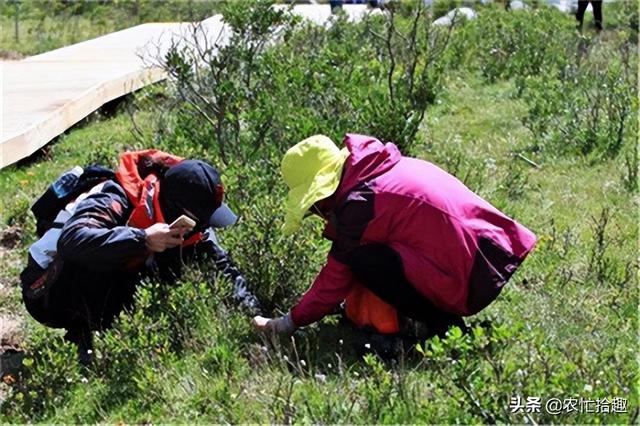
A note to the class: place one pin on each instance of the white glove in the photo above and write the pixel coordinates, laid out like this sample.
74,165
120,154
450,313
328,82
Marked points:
281,325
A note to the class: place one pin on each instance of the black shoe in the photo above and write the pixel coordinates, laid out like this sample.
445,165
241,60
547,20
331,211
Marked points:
11,365
85,355
387,346
440,329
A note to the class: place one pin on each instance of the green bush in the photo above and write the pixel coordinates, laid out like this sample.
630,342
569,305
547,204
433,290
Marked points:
252,98
50,373
579,89
516,44
589,106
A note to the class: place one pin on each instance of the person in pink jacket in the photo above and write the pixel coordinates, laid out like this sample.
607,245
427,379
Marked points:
408,238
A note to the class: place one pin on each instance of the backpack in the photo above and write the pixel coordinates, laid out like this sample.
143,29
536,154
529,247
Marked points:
67,187
52,210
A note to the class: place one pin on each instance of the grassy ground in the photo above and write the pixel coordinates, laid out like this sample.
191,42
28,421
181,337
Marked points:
566,324
43,25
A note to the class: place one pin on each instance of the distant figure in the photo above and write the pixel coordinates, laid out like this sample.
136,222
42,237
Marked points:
597,12
337,4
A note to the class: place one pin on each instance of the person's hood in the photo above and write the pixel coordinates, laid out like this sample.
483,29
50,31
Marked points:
172,185
135,168
368,158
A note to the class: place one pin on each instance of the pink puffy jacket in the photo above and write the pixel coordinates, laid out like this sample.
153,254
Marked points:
456,248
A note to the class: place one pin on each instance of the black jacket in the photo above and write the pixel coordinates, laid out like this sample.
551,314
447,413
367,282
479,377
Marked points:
96,236
102,260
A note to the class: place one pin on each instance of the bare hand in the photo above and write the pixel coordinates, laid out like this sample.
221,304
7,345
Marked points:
160,237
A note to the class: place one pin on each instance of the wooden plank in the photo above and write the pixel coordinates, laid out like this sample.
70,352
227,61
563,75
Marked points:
46,94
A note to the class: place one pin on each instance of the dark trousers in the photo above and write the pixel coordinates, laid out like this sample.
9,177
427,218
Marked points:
78,299
379,268
597,11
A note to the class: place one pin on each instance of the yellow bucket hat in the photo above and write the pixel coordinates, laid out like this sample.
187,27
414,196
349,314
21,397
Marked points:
311,169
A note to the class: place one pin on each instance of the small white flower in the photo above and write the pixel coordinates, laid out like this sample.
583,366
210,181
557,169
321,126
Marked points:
341,341
588,388
367,345
303,363
329,366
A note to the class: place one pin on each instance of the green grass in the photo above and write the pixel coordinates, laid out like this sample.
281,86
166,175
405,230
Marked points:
565,337
564,327
44,25
38,36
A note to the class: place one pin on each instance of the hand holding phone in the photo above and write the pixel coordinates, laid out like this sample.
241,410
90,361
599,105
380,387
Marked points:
159,237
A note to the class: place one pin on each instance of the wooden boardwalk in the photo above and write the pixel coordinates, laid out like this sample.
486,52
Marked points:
44,95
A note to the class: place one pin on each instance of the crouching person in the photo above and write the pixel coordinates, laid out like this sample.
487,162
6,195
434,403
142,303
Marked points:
101,232
408,239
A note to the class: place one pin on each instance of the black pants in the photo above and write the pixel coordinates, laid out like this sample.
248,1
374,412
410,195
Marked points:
597,11
379,268
79,300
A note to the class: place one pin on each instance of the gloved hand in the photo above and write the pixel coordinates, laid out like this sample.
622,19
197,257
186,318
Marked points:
281,325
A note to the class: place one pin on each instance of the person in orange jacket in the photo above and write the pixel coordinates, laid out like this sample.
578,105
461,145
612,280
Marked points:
84,269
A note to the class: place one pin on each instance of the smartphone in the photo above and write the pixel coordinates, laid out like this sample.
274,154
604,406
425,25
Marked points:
183,222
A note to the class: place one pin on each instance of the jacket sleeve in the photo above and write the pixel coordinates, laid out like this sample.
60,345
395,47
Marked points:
225,265
96,235
335,280
329,289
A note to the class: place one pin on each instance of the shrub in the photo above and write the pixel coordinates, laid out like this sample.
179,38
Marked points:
589,106
49,373
251,97
579,90
279,268
515,44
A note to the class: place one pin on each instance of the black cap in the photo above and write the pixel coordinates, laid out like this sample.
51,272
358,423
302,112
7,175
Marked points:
194,188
